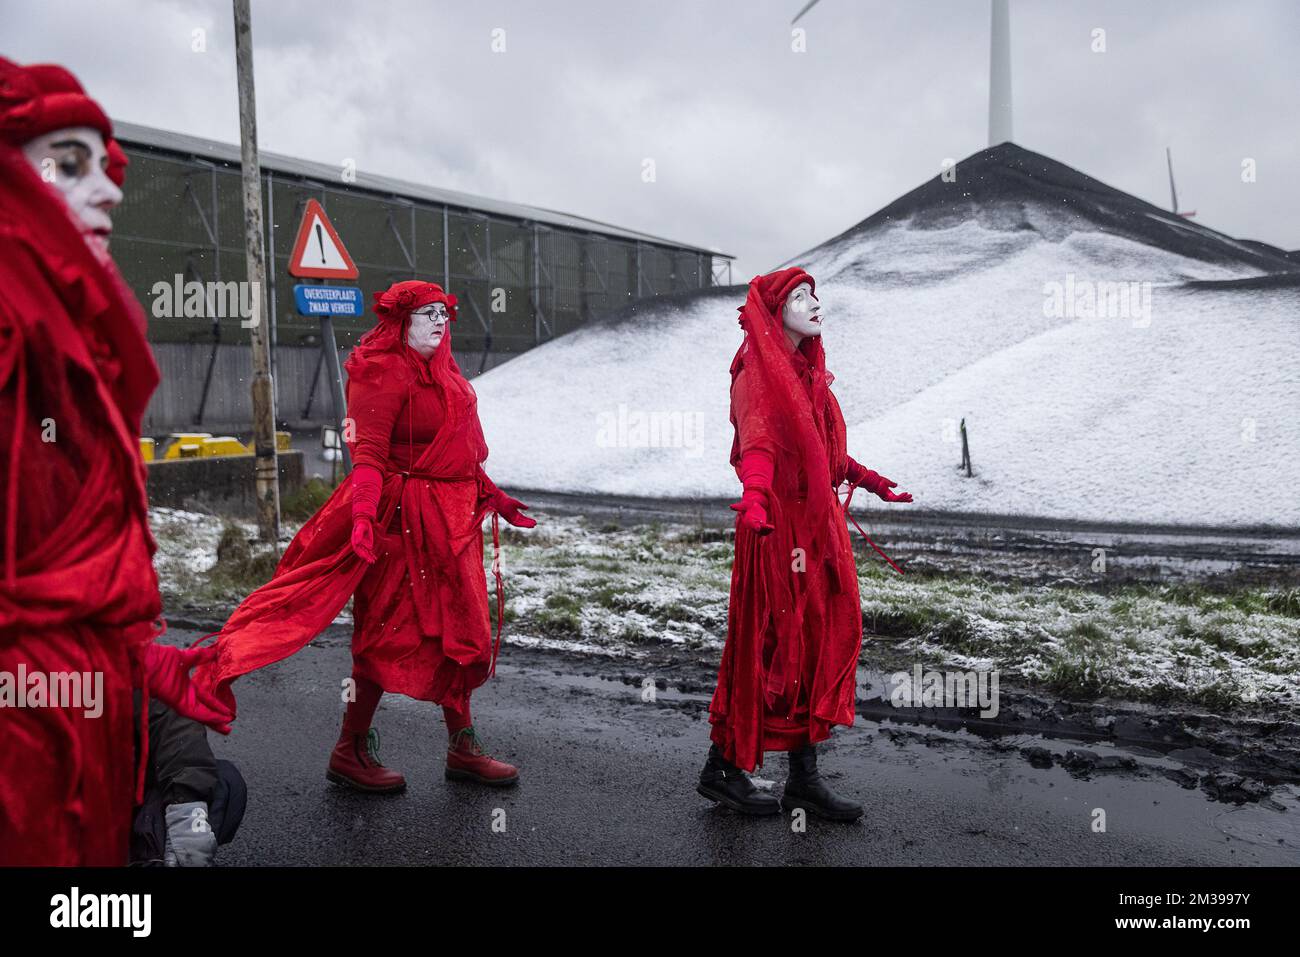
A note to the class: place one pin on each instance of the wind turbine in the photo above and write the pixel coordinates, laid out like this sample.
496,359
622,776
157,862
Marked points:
999,69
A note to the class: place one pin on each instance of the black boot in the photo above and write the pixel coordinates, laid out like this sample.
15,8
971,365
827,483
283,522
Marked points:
806,789
723,782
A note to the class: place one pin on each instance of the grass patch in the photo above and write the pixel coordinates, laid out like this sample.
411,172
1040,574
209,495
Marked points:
508,614
1285,602
1079,678
560,615
305,502
240,569
907,621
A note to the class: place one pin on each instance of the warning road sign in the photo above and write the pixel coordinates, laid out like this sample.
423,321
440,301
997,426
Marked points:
318,253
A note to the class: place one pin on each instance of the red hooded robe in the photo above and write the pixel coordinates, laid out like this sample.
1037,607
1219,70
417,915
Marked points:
421,611
77,587
794,623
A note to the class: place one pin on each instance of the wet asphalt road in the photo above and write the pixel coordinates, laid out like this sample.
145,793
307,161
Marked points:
609,779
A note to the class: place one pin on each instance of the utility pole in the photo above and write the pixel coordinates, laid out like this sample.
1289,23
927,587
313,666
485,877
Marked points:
263,390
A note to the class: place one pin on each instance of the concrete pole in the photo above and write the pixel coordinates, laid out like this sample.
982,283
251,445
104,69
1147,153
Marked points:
263,389
330,344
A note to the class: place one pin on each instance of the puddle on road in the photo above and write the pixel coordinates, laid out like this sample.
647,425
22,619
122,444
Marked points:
1033,802
1264,826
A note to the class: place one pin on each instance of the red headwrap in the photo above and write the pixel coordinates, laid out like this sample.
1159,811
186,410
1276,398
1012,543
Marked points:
394,307
398,301
43,97
775,287
117,162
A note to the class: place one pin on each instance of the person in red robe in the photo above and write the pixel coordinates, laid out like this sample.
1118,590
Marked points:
403,533
79,601
794,623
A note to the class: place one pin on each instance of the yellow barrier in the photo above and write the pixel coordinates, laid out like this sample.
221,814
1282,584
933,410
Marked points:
187,445
222,445
173,450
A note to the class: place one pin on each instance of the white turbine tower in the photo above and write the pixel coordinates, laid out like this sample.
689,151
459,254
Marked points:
999,69
1000,74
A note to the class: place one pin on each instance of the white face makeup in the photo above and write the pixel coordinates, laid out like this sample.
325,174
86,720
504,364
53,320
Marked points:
802,314
73,160
428,326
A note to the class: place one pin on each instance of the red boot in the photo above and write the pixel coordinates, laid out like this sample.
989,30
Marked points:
467,761
355,762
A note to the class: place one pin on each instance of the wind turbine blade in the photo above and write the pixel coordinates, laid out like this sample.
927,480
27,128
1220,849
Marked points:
1173,193
808,6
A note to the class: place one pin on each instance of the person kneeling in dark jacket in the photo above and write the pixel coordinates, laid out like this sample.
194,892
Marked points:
193,802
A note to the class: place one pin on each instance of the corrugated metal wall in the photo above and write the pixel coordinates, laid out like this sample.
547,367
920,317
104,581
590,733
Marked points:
175,406
519,284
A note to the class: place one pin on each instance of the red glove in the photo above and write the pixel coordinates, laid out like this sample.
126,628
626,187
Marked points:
755,470
511,509
875,483
367,483
753,512
167,677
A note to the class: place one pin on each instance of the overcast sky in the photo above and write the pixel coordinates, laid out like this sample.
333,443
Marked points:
758,150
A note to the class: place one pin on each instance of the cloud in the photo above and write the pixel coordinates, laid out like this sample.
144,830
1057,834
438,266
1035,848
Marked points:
758,150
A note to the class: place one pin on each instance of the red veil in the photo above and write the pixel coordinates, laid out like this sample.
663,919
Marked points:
794,623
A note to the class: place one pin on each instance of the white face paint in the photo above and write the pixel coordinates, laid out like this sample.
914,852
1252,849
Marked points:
73,160
802,314
428,326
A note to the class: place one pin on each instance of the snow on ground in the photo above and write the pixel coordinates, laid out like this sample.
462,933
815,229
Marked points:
1184,414
187,543
656,593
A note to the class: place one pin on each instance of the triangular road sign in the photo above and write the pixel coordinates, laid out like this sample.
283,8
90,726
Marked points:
318,253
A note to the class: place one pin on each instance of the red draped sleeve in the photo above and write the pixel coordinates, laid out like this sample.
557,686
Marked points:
374,402
752,419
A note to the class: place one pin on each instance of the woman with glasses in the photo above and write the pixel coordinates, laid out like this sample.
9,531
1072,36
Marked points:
403,534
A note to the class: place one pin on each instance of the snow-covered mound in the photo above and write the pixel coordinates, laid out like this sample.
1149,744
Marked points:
1111,360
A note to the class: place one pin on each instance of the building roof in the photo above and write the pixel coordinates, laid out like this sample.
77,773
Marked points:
133,134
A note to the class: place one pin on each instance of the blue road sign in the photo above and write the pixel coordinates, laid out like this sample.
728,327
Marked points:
328,300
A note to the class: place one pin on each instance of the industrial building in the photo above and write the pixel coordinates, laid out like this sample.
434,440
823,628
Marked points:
523,274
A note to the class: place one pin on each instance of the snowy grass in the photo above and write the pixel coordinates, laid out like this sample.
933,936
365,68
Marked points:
659,592
206,562
643,591
624,591
1162,645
